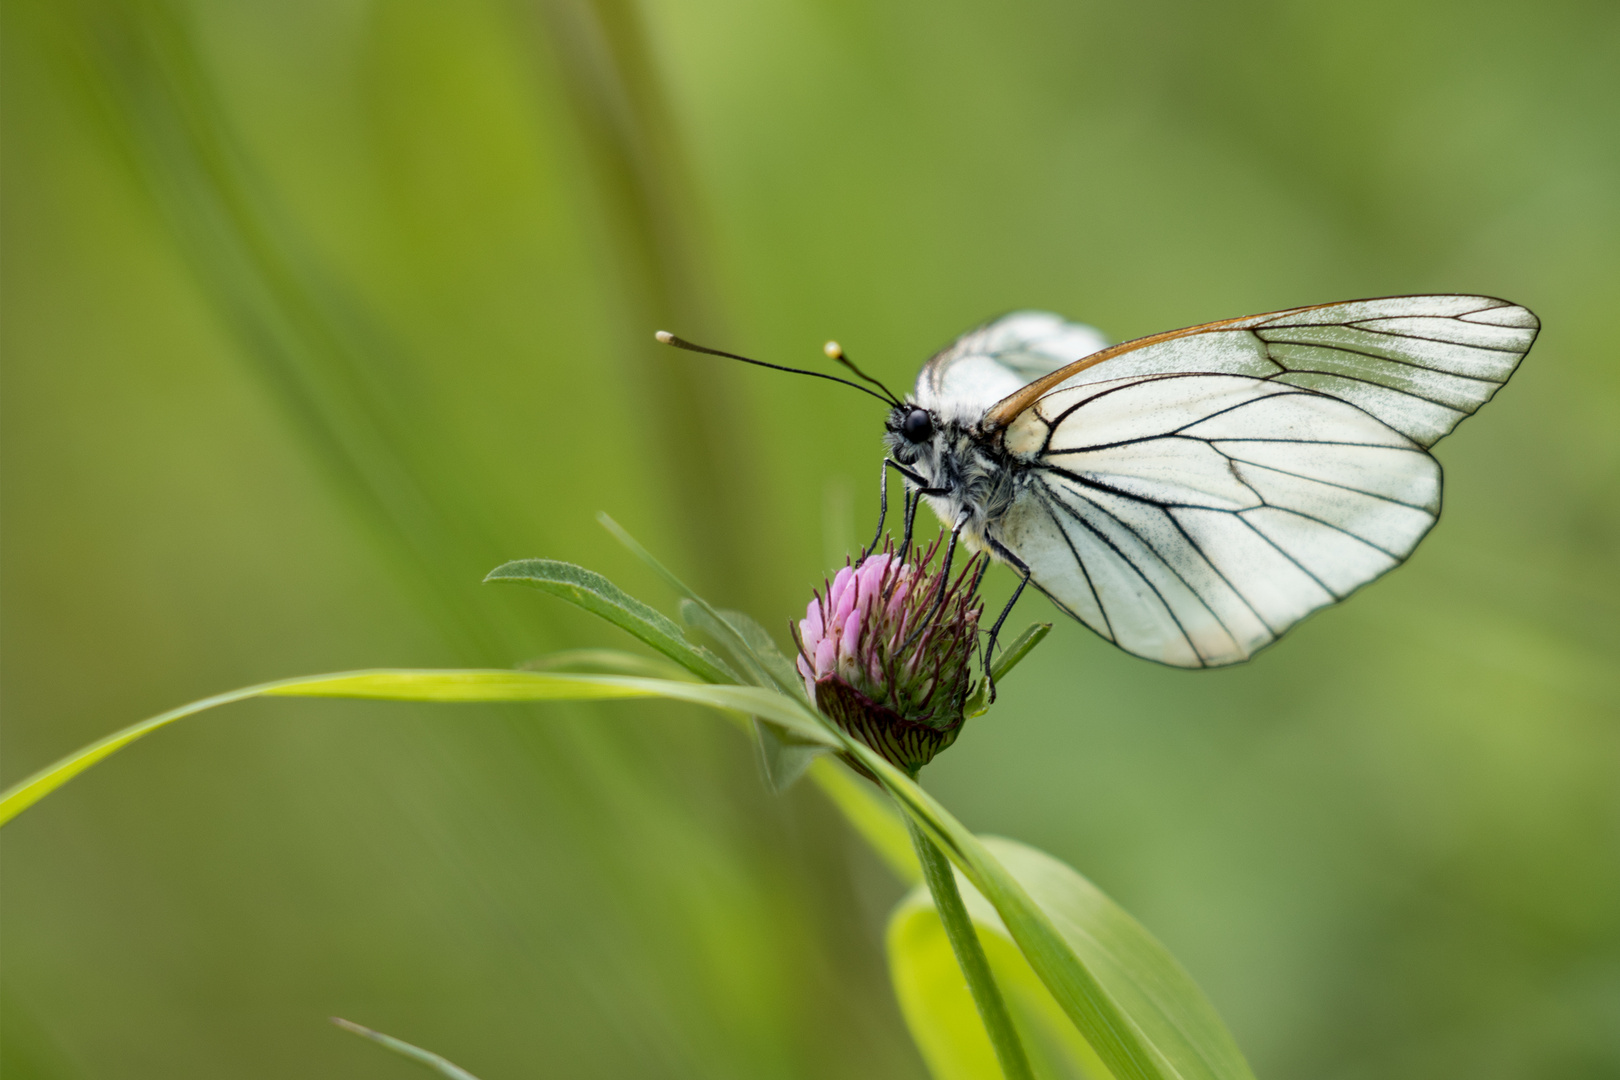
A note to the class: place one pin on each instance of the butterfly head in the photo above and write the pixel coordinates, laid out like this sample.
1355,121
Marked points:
910,432
915,424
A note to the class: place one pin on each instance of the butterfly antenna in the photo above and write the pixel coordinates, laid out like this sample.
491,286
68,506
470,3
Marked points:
666,338
835,352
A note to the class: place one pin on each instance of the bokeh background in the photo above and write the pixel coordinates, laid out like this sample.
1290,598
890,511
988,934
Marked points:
316,310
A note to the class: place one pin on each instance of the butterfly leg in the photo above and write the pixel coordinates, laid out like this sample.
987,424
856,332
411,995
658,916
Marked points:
883,505
1023,579
913,499
905,545
883,510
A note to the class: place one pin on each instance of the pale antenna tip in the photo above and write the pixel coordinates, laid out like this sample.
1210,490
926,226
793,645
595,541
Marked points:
834,350
664,337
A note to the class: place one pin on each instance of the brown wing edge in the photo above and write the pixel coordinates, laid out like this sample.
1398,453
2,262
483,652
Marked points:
1005,411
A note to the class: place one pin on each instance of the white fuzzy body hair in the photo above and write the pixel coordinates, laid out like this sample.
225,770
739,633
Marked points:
982,480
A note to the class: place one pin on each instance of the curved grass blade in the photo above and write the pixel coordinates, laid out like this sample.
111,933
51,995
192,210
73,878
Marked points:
26,792
1134,1030
441,1065
1140,1032
596,594
1155,1025
1153,989
465,685
940,1012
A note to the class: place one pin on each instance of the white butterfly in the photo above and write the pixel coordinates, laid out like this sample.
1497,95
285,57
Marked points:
1191,495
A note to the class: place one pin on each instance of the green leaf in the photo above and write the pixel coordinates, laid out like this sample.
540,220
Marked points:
783,760
763,647
735,641
979,703
1156,1029
440,1065
941,879
1154,991
469,685
1021,645
1136,970
700,616
593,592
939,1010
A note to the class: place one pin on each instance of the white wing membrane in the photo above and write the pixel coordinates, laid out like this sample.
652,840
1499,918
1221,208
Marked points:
1192,519
985,365
1193,498
1418,363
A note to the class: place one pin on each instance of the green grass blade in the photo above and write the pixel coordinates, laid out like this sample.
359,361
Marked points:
940,1012
1153,989
1139,1033
609,58
461,685
596,594
26,792
1135,1007
990,1003
443,1066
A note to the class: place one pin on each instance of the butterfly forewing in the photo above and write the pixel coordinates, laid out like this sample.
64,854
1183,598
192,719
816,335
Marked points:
1418,363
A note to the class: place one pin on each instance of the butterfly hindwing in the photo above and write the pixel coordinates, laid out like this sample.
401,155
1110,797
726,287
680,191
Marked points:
1192,519
986,364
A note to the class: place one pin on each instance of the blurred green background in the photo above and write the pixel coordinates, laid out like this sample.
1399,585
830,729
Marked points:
316,310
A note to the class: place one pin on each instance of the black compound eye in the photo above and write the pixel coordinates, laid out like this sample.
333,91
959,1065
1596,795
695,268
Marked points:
918,426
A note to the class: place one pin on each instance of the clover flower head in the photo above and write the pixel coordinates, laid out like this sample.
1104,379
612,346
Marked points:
887,659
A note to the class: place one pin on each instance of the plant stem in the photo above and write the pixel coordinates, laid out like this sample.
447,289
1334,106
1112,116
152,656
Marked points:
970,956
